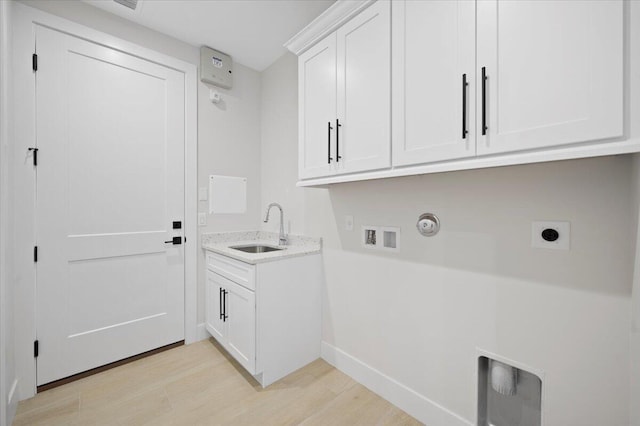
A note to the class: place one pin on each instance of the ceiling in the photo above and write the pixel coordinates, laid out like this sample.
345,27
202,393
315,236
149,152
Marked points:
251,31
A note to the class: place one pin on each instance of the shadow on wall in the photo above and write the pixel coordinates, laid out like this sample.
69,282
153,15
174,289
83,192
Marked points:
486,220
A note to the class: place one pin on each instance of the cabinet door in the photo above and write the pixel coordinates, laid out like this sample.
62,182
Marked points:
554,72
363,139
317,109
241,325
213,306
433,48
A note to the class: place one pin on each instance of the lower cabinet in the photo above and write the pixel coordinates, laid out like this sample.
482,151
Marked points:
267,316
233,324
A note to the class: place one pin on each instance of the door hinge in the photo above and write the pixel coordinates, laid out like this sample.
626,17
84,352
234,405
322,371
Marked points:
35,253
35,155
35,349
34,62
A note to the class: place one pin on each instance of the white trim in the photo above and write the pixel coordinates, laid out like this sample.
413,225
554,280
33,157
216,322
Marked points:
202,333
25,18
8,401
12,402
332,18
597,149
191,205
422,408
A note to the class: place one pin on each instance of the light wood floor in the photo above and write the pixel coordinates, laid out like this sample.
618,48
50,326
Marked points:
199,385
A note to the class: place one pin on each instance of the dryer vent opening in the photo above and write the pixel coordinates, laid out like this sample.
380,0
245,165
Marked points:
507,395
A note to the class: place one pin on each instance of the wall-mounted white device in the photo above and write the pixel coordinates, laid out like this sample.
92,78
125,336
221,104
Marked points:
216,68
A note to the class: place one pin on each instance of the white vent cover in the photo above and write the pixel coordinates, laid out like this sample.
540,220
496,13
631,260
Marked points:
131,4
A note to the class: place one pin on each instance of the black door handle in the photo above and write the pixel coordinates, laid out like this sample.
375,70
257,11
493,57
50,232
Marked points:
175,241
464,106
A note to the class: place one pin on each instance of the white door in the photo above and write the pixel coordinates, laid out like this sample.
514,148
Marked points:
554,73
433,80
317,91
110,182
363,130
241,325
214,309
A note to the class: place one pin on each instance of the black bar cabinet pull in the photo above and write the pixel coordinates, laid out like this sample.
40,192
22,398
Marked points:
224,304
464,106
484,100
220,299
338,125
329,159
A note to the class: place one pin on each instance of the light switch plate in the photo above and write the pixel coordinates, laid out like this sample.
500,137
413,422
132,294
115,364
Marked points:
348,223
203,194
563,229
202,219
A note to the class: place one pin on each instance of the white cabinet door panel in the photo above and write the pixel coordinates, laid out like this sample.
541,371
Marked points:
364,90
433,46
554,72
214,309
317,109
241,325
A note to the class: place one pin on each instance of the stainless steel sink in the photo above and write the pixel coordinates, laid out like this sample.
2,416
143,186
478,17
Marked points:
256,248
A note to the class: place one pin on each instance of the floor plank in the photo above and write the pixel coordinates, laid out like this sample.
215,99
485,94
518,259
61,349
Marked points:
200,384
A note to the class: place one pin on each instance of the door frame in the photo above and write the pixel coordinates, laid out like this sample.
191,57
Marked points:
25,19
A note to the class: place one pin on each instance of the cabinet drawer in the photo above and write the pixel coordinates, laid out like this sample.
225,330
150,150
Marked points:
234,270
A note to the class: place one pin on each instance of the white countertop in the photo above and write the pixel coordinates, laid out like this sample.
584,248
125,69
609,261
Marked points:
221,243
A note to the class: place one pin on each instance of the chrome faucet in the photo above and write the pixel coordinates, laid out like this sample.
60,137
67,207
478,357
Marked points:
282,238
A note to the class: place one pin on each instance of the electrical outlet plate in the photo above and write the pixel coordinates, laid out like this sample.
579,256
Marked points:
564,235
203,194
202,219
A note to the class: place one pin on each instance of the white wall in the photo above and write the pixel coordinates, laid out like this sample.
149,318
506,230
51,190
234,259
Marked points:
280,159
418,316
228,133
633,103
229,144
634,376
8,397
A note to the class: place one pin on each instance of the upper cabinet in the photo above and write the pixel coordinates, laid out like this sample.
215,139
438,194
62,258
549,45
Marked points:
553,73
416,87
434,68
317,109
345,98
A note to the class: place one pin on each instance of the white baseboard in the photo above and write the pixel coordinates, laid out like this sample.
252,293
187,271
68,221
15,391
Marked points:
420,407
202,333
12,402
